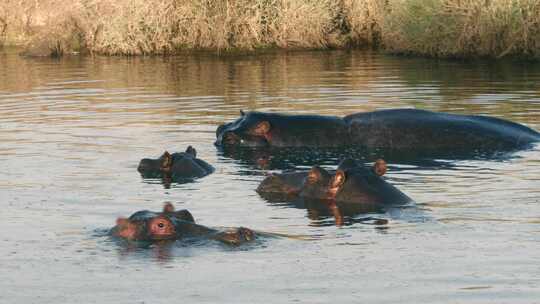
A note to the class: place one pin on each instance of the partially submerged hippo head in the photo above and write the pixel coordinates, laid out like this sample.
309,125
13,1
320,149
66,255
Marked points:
356,183
259,129
149,226
351,183
249,130
183,165
152,226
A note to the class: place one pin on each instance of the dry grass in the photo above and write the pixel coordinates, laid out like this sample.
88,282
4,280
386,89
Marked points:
51,24
443,28
362,21
135,27
464,28
143,27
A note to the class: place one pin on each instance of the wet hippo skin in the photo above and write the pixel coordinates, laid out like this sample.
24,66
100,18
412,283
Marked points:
176,166
149,226
397,129
352,182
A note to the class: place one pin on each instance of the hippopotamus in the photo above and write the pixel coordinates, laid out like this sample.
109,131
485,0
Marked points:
149,226
394,129
176,166
256,129
352,183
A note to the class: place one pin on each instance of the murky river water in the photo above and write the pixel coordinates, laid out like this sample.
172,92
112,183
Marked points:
73,130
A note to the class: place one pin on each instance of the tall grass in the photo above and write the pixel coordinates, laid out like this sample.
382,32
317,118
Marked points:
464,28
142,27
363,20
443,28
135,27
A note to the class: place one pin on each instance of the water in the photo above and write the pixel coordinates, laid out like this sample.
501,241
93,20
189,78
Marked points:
73,130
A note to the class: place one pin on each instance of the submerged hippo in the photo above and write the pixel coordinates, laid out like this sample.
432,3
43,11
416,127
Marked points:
350,183
176,166
256,129
396,129
169,224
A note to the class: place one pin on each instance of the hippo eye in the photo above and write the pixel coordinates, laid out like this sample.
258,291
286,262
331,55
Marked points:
161,228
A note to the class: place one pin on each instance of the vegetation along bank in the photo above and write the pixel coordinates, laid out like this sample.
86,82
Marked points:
437,28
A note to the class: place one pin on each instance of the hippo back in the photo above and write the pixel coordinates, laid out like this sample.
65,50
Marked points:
420,129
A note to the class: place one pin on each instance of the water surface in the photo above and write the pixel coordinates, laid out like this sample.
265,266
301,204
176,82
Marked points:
73,130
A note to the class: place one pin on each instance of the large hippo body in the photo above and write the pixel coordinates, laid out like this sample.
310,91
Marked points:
149,226
397,129
418,129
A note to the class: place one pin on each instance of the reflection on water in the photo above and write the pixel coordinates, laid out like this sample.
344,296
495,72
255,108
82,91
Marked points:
167,251
73,131
325,213
298,158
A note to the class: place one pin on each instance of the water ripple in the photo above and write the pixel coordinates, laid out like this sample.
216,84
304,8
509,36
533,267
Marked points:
73,131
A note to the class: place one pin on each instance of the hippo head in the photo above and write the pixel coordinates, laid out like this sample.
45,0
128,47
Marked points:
352,182
152,226
360,184
176,165
250,130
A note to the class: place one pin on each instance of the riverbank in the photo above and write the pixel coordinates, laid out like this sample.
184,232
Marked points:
435,28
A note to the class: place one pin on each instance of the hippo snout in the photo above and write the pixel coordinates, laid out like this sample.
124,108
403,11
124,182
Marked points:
228,138
145,165
275,184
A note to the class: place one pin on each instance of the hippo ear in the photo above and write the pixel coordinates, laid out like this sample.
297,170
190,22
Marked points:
338,180
121,221
314,175
261,129
242,113
166,160
192,151
168,207
379,167
184,215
